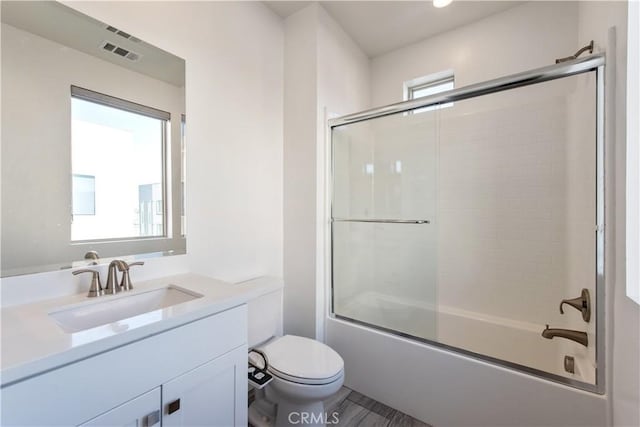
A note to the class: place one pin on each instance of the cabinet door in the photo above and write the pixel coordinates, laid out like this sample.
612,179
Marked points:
143,411
214,394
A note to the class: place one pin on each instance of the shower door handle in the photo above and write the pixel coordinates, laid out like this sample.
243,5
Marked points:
383,221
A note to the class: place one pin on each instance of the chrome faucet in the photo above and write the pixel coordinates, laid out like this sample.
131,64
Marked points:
577,336
125,283
95,290
113,287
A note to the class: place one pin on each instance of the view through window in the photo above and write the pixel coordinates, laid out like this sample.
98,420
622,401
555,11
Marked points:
429,85
117,168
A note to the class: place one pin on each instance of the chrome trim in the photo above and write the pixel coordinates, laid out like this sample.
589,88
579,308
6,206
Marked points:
590,63
384,221
600,231
539,75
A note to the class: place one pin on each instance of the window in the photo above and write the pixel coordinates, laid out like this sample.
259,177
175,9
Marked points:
429,85
118,168
84,194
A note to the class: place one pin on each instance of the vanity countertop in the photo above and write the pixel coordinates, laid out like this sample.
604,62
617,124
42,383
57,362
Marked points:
33,343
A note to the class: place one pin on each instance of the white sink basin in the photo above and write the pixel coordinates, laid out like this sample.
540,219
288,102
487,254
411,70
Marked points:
109,309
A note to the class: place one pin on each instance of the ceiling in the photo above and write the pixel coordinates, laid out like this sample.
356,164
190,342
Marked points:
54,21
379,27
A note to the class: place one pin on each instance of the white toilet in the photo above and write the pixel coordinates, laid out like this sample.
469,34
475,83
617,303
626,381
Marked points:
305,372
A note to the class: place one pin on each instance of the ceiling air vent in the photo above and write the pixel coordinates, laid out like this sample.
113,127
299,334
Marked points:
123,34
120,51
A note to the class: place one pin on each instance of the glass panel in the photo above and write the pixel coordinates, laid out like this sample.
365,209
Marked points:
385,169
508,181
385,275
122,151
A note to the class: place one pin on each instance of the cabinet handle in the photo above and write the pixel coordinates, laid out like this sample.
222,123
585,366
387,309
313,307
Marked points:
173,406
151,419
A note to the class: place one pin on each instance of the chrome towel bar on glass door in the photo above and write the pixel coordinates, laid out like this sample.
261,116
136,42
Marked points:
384,221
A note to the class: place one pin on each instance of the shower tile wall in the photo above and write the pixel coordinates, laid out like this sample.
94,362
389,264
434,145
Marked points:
516,217
496,211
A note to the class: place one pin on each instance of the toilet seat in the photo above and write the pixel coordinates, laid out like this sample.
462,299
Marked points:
303,360
306,381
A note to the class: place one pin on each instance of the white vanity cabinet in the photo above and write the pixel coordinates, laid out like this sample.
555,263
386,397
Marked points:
194,374
205,395
143,411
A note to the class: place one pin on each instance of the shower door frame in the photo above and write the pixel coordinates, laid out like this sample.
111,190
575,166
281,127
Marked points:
593,63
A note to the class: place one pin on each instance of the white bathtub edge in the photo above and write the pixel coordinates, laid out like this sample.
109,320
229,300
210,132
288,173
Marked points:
449,389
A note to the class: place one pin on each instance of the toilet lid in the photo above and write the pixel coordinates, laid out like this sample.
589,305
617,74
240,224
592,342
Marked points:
303,358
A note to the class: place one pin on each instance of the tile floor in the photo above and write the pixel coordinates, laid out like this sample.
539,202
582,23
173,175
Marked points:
355,409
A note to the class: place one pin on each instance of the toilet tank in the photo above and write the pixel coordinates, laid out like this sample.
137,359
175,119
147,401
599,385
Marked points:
264,312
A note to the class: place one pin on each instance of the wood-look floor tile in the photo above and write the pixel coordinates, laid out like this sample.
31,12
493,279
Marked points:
373,420
357,410
372,405
350,414
404,420
334,401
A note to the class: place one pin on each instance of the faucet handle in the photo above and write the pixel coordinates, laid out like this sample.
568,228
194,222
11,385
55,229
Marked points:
125,283
581,303
95,290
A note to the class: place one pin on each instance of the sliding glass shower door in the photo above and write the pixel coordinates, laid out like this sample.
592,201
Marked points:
468,225
384,235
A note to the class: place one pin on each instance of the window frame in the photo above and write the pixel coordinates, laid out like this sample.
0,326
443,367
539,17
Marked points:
409,88
143,110
633,156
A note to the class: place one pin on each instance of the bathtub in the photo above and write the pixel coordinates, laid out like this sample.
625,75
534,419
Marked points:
469,357
502,339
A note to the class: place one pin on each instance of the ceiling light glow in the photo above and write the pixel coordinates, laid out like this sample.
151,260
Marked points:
441,3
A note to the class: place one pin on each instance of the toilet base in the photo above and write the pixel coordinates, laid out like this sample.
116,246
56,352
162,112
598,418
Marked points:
262,413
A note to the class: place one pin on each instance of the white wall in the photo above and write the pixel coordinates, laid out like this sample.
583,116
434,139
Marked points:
521,38
623,340
300,110
234,133
36,135
325,73
234,81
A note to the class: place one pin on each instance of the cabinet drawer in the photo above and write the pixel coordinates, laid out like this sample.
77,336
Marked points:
77,392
